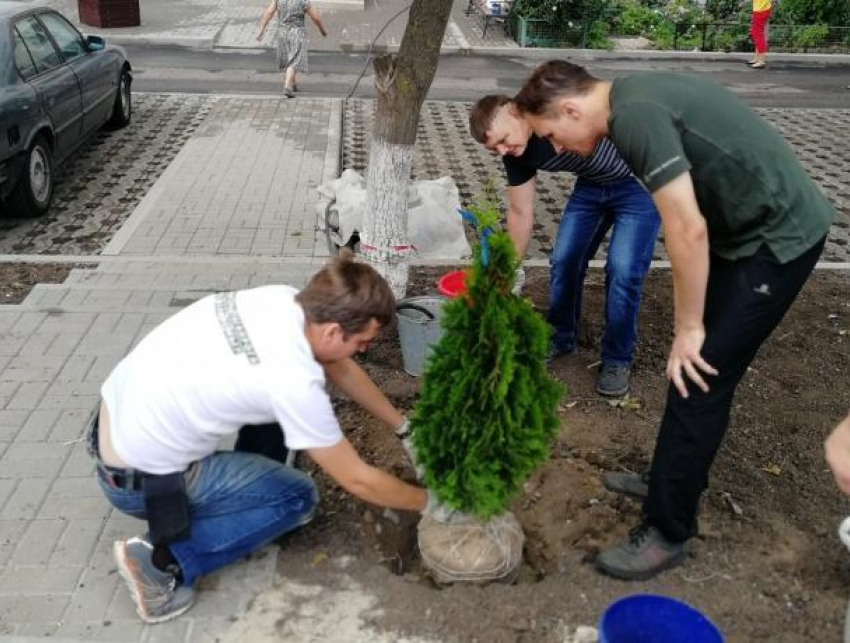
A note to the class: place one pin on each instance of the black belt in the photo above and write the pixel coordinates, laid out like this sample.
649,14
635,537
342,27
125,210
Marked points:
129,479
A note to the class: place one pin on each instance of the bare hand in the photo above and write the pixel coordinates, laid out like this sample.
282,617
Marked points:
685,359
837,447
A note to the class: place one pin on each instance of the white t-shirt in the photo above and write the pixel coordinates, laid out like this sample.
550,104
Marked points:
227,360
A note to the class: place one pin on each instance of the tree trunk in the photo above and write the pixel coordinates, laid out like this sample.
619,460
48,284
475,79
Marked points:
402,80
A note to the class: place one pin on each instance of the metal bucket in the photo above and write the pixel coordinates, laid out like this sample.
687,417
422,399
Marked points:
419,329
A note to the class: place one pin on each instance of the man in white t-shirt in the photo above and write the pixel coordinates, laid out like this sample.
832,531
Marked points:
252,357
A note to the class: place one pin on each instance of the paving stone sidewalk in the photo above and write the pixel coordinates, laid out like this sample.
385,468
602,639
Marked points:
234,209
219,23
444,148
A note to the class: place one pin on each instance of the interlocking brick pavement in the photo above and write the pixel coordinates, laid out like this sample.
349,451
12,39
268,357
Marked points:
243,185
444,147
100,185
234,209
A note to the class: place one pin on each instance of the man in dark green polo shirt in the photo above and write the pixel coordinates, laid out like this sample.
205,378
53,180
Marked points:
743,225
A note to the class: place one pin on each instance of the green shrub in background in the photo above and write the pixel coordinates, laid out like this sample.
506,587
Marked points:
596,36
733,38
565,23
810,36
636,19
811,12
487,410
557,12
719,25
724,10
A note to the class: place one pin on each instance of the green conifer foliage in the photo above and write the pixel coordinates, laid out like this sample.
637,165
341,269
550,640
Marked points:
487,411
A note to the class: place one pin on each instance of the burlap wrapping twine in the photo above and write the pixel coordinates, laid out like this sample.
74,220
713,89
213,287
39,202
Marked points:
466,549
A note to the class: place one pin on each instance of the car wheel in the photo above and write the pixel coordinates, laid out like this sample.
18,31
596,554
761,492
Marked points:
122,110
32,195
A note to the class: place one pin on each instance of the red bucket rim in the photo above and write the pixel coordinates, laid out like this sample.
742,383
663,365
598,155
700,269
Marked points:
452,283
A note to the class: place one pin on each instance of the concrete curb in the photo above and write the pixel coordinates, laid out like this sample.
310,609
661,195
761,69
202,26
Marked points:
600,54
803,60
661,264
332,170
333,150
531,53
149,201
90,261
152,40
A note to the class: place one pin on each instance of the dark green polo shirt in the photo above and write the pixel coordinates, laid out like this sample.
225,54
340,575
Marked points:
750,187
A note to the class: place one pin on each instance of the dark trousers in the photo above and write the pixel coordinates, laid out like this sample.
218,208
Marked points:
745,301
262,439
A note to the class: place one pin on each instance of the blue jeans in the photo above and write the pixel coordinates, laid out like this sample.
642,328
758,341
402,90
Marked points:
592,209
237,501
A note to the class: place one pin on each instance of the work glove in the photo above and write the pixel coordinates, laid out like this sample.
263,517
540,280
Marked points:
406,437
439,512
519,281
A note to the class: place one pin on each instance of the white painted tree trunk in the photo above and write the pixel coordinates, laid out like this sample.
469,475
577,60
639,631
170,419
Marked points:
384,240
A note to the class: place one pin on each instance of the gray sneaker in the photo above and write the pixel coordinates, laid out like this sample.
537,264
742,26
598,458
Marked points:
633,485
613,380
642,555
157,595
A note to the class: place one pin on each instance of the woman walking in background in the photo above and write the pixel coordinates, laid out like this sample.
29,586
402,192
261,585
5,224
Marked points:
758,32
291,37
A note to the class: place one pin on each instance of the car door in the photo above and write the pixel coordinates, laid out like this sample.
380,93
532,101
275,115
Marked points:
55,83
95,70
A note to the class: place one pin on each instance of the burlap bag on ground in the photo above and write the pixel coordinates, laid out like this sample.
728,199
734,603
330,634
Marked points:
466,549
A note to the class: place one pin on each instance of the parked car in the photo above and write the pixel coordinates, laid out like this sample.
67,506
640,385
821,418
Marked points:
57,87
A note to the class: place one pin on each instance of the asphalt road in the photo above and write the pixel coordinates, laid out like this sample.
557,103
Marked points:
465,78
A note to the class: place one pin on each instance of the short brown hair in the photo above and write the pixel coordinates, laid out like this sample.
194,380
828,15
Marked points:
348,293
482,113
550,81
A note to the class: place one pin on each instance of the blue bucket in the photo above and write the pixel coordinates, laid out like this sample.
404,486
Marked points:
644,618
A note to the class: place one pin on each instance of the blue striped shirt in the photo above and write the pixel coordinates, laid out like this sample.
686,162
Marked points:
602,166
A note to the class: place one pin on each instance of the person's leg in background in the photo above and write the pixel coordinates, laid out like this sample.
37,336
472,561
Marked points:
289,82
758,33
630,250
745,301
583,226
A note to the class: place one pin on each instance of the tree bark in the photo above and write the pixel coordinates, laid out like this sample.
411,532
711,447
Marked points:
402,81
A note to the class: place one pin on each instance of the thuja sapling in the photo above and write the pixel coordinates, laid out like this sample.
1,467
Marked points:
487,411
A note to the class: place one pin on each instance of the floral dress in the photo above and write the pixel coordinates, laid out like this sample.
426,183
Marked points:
291,37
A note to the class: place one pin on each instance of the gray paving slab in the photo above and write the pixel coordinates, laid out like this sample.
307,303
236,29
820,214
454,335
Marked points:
57,576
101,184
444,148
239,154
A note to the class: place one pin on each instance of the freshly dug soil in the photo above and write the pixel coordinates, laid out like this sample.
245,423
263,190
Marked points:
767,566
17,279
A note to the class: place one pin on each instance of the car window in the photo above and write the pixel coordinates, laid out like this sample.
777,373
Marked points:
68,39
38,43
23,60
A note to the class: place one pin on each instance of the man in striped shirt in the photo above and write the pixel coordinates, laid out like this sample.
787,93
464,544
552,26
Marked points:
606,196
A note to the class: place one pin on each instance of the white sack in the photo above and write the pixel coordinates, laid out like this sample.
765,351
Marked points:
434,225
